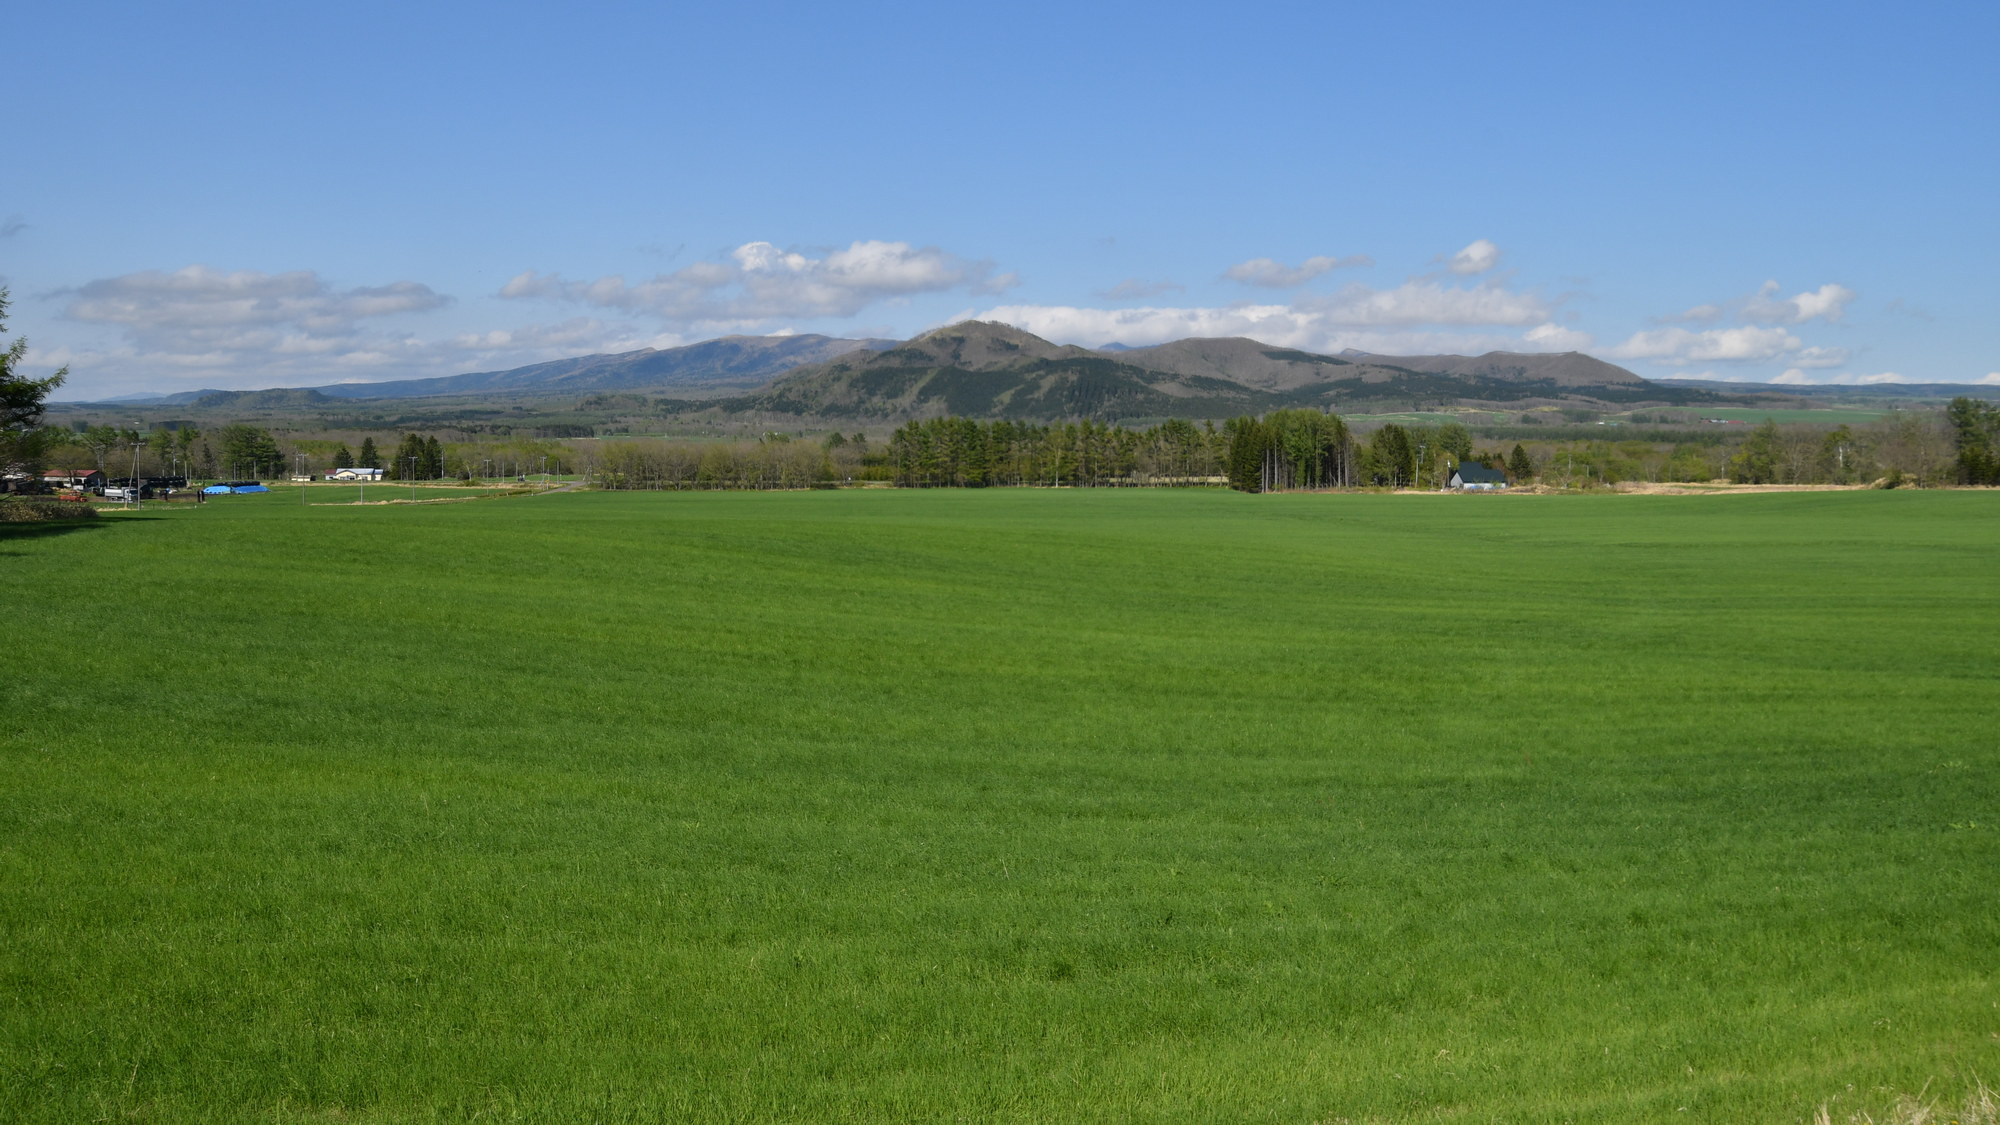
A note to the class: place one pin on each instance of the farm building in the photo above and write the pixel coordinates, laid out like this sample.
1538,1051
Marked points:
90,480
363,475
1477,478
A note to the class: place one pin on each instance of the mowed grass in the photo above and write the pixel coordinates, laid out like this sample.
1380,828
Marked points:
382,492
1011,806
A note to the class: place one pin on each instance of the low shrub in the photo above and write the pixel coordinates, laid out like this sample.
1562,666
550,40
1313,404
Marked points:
42,509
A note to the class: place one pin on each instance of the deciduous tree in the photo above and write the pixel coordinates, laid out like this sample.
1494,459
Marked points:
22,400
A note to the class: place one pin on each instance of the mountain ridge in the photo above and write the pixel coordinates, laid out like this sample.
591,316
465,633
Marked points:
991,369
984,369
727,362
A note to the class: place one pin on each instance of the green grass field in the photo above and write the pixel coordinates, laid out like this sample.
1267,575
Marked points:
1427,418
1827,416
385,492
1008,806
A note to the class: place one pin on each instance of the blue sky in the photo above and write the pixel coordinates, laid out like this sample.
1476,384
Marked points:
278,195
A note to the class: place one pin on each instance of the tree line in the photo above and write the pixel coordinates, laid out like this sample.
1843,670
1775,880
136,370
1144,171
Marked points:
1975,434
963,453
419,457
773,461
1286,449
241,450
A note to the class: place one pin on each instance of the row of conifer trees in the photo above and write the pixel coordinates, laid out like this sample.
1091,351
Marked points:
1286,449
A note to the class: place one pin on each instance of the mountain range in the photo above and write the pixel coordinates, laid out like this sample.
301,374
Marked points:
983,369
986,370
729,362
1844,390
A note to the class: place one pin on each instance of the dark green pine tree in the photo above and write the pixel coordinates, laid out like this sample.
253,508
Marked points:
1395,456
1975,430
433,458
1249,439
1518,466
343,458
409,454
369,458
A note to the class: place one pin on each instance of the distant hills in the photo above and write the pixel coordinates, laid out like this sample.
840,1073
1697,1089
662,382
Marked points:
731,360
990,370
1564,369
1843,390
987,370
728,362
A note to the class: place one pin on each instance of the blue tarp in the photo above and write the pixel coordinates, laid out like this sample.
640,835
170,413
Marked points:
252,488
226,489
217,490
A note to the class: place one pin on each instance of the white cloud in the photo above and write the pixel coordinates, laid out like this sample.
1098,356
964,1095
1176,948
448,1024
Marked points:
1479,257
1725,376
257,359
1798,377
1268,273
1759,336
1375,321
576,336
1406,319
226,327
1828,302
761,283
1822,357
1992,379
1425,302
1555,338
1681,346
204,327
1700,314
1133,288
199,305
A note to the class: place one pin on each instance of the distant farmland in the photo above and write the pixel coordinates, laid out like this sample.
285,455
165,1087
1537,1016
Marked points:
1006,805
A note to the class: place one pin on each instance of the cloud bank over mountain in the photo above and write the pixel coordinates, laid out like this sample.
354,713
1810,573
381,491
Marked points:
759,283
202,325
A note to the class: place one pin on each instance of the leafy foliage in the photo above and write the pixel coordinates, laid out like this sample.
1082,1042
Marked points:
22,443
43,509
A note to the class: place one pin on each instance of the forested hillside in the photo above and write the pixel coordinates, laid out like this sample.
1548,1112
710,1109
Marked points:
994,371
